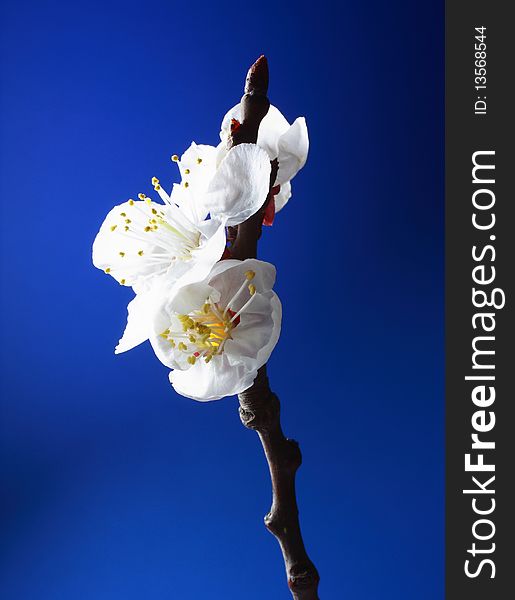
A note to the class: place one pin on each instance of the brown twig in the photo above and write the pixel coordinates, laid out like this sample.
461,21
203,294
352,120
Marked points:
259,406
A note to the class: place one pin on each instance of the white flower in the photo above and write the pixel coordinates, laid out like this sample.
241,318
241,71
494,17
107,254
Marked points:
141,240
217,333
289,144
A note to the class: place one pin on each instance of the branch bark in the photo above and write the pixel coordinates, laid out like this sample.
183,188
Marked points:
259,406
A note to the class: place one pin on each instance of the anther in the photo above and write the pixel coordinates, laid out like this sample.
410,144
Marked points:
141,196
250,275
252,289
175,158
113,227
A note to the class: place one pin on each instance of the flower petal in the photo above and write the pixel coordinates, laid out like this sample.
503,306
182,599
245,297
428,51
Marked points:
197,166
137,330
283,196
212,381
240,185
293,146
228,275
257,333
270,130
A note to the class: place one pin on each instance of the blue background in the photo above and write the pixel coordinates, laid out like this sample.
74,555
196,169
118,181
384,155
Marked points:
112,485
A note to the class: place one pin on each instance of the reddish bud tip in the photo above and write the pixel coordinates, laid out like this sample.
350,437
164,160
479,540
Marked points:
257,77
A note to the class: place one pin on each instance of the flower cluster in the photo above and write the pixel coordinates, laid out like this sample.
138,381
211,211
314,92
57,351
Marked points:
214,322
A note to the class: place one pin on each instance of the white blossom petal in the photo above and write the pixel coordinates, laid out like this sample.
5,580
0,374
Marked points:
139,321
293,147
197,167
283,196
270,130
257,333
240,185
227,276
213,381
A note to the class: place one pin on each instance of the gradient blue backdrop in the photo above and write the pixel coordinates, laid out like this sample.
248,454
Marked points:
112,485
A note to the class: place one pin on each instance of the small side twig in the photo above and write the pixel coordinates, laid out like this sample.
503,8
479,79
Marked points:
259,406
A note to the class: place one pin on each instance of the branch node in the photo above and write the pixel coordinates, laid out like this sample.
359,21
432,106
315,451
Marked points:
259,413
303,578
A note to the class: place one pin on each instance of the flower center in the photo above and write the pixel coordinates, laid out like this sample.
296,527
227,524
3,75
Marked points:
152,235
206,330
